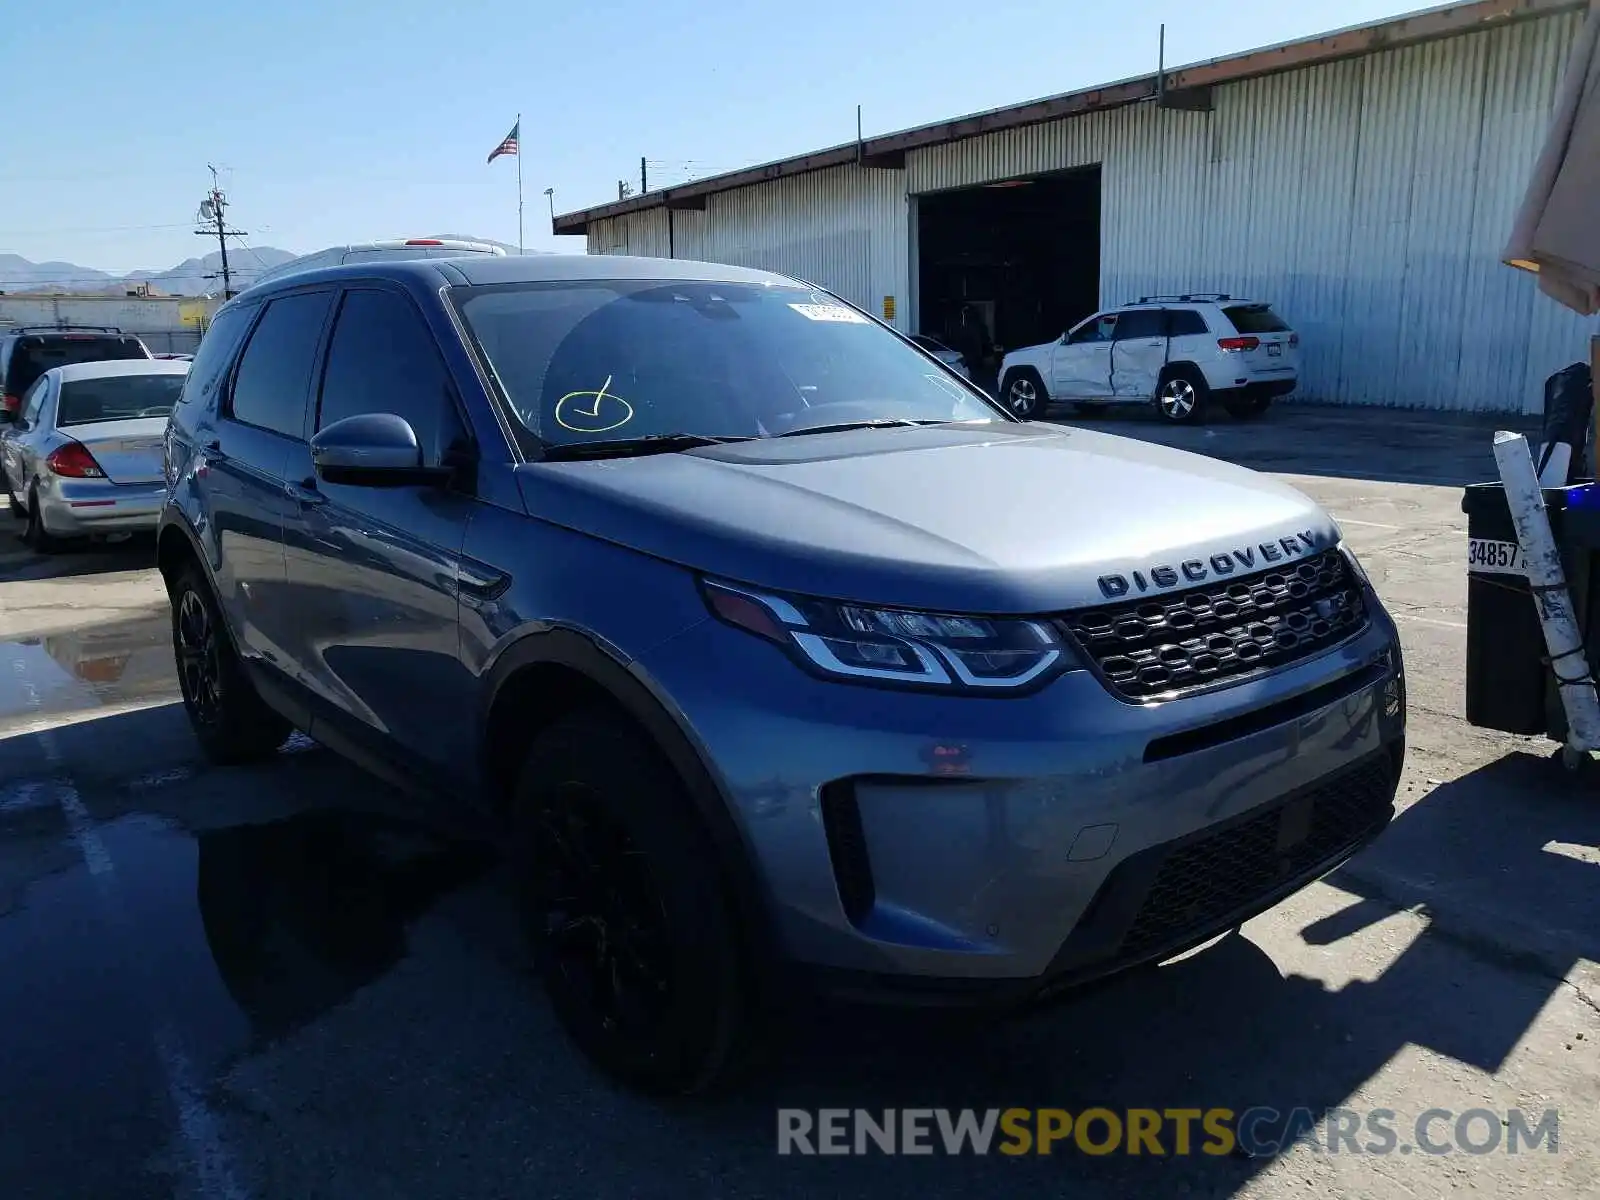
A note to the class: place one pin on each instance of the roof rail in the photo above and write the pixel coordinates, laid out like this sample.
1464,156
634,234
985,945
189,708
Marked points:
1185,299
68,328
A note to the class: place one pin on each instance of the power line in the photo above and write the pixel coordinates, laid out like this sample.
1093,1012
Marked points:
87,229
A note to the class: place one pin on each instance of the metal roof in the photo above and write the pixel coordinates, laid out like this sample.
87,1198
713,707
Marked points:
1175,86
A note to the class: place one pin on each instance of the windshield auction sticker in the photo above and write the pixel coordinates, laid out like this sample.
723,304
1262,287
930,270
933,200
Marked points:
829,312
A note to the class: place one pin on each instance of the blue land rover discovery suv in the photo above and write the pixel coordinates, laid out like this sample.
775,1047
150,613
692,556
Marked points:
778,649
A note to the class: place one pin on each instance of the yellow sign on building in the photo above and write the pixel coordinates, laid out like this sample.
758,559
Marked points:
888,308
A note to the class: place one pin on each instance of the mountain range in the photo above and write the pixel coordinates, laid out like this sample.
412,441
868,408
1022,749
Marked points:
192,277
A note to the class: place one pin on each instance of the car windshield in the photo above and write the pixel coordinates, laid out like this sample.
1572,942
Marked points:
117,398
600,360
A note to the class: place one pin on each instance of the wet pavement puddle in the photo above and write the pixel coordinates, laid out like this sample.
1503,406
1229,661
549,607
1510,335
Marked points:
112,665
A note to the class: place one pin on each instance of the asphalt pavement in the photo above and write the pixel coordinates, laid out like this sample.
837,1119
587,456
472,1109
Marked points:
266,982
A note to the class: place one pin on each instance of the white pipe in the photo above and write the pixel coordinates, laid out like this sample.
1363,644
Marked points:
1543,561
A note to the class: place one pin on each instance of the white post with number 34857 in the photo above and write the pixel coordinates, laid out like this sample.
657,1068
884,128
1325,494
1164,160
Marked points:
1541,562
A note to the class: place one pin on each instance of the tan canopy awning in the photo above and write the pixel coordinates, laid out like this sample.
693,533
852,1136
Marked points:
1557,233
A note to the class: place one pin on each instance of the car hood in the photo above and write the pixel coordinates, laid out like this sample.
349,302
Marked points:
986,518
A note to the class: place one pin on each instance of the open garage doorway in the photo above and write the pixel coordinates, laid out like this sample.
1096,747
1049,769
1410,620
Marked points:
1020,257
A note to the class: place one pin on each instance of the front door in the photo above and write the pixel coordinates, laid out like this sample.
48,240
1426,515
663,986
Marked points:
1138,353
1081,364
373,571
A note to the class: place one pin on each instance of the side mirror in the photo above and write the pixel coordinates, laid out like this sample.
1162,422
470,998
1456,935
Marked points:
373,450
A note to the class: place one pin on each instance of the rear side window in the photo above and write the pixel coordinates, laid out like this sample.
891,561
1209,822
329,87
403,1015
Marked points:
1185,322
34,356
215,353
1255,318
116,398
382,359
1141,323
274,378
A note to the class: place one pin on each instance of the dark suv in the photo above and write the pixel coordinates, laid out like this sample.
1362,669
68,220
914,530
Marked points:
28,352
713,592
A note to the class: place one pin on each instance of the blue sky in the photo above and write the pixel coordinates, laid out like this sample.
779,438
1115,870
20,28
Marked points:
343,121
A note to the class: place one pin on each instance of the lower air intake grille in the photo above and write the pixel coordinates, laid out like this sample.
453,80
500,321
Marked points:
1204,881
1220,633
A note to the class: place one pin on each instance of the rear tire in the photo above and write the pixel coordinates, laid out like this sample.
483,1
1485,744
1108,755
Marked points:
625,915
1247,408
17,510
230,720
1181,397
1022,392
38,538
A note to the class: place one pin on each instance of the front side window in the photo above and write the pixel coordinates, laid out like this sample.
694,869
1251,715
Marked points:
599,360
116,398
382,359
1096,329
273,383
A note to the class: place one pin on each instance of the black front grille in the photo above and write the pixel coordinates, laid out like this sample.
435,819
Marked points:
1204,882
1221,632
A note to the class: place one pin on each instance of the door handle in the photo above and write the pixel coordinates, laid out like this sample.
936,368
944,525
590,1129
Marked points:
305,493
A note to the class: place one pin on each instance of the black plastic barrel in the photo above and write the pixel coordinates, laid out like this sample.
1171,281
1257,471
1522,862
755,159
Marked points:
1509,685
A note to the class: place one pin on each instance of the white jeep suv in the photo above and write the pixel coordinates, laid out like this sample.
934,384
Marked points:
1176,352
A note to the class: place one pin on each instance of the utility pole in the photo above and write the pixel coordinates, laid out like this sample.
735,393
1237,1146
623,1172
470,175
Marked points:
644,178
211,215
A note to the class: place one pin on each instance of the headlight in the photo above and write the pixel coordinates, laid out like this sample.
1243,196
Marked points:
898,647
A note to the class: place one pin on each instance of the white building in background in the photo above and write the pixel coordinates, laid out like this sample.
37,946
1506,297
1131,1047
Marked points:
166,324
1363,182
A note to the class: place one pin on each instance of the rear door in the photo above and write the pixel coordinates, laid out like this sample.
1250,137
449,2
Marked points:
1138,353
1269,348
1080,366
264,416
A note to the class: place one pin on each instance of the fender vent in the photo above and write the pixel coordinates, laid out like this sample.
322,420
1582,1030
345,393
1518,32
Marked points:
847,848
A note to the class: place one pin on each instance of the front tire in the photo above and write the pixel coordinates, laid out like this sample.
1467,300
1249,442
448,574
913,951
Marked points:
1022,392
230,720
625,914
1181,397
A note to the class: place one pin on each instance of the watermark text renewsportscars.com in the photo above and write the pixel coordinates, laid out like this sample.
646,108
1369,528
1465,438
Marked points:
1259,1132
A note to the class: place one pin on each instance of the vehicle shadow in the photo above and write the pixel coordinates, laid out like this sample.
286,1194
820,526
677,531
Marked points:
1382,445
1513,847
382,956
81,556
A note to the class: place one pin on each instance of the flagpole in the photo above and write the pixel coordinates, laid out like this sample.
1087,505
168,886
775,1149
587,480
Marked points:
519,183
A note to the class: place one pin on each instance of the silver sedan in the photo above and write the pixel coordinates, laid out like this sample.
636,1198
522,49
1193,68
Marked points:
83,456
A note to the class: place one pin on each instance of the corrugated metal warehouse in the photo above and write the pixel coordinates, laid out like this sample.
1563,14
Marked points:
1363,182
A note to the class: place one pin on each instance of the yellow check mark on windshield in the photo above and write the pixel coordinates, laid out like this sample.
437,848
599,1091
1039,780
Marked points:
594,409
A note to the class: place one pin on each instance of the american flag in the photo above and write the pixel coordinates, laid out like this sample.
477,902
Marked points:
508,144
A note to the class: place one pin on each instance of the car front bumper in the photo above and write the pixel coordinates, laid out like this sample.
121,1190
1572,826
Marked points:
82,507
942,848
